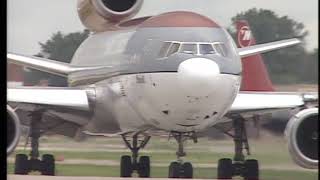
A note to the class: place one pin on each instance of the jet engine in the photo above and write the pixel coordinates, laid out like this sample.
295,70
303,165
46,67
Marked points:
13,130
100,15
302,136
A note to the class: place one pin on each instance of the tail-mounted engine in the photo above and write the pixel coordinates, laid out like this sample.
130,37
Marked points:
100,15
13,130
302,136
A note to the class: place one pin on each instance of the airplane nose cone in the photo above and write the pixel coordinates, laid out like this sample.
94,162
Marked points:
197,75
200,67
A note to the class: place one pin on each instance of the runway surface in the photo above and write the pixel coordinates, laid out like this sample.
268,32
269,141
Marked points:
16,177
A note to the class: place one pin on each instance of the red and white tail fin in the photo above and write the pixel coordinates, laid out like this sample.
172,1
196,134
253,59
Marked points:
255,76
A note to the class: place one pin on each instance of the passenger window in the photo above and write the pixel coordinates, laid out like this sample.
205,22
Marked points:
173,48
206,49
188,48
164,49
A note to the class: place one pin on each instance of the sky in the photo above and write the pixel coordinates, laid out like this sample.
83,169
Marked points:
34,21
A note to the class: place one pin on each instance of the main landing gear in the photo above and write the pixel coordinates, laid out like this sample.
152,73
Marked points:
46,165
180,169
129,164
248,169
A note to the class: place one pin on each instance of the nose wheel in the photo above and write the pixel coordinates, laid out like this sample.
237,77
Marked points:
130,164
180,169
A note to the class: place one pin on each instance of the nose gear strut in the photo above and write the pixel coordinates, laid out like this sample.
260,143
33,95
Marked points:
130,164
180,169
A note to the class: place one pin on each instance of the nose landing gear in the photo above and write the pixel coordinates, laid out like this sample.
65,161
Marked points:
129,164
180,169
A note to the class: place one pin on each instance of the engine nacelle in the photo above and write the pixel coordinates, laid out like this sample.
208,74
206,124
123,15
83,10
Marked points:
13,130
302,136
100,15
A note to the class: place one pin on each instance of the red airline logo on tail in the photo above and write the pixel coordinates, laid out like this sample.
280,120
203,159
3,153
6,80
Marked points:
254,73
244,36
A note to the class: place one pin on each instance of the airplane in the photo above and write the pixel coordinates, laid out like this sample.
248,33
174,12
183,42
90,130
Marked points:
178,72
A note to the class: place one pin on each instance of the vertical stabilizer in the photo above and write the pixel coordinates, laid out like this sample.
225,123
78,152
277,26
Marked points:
255,75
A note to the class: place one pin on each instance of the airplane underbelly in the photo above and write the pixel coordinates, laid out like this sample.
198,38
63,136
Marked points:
166,103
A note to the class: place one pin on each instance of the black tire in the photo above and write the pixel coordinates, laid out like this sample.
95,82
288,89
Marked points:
225,169
174,170
144,167
251,169
48,165
21,164
125,166
187,170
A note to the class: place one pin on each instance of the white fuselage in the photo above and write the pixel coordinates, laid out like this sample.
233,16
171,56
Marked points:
164,101
142,87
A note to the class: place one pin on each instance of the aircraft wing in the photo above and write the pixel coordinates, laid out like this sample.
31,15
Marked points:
64,109
72,98
47,65
261,48
257,103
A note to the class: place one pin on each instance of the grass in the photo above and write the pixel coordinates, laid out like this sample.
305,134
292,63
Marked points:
265,154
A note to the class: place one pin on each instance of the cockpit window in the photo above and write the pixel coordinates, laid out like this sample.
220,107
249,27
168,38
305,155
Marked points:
220,48
188,48
173,48
206,49
196,48
164,49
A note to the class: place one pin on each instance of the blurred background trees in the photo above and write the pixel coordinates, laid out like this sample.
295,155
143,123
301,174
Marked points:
59,47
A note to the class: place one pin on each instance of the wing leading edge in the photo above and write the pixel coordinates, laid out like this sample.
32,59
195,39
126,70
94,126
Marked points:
260,101
48,96
47,65
262,48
